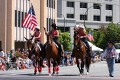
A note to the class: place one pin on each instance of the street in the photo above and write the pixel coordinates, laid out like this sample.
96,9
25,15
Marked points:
98,71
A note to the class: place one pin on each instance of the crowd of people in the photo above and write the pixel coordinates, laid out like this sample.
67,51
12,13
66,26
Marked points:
14,59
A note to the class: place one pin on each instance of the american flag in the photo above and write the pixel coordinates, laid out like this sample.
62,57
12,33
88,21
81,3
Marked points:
90,36
30,20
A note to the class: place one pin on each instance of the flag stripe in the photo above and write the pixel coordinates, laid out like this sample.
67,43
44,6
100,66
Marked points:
30,20
90,36
26,19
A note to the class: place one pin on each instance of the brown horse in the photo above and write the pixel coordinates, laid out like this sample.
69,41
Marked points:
81,54
52,55
35,54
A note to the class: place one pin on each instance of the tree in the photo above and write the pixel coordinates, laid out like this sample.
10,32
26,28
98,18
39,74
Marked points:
99,37
65,40
104,34
113,32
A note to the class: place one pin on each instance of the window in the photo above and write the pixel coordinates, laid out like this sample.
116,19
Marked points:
96,6
23,14
51,4
109,18
70,4
109,7
83,17
70,15
47,3
83,5
15,18
54,4
96,18
67,29
19,17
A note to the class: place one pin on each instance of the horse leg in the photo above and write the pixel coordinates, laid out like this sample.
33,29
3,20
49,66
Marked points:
40,65
35,67
57,69
77,61
87,64
57,65
54,67
35,70
82,66
49,68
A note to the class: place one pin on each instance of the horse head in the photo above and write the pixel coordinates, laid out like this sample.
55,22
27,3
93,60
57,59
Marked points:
49,39
29,43
76,39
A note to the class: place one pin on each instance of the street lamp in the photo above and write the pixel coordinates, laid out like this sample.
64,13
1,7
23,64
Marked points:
64,21
87,12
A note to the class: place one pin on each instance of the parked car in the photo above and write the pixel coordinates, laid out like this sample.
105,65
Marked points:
117,46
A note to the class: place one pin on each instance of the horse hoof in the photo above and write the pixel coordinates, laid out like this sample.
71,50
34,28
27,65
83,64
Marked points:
80,75
57,73
49,74
87,73
53,74
34,73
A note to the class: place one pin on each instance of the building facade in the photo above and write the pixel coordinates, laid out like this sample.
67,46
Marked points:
92,13
11,17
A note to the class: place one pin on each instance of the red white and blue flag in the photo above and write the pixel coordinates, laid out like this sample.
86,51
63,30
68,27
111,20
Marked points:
90,36
30,20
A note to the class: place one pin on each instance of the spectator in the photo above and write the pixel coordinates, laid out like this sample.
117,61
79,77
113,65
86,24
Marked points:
110,54
2,54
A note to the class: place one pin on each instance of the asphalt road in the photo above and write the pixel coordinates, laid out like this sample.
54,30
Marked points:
98,71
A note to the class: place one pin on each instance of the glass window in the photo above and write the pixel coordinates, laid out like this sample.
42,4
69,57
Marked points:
83,17
109,18
54,4
47,3
96,6
67,29
19,13
96,18
23,14
83,5
70,4
50,3
109,7
15,18
70,15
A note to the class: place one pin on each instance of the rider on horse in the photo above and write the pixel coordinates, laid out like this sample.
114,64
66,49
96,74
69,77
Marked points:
55,34
37,36
81,33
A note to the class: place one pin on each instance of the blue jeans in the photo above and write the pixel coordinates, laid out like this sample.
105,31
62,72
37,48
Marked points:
111,63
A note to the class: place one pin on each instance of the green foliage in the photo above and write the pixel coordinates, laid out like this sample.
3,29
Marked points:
104,34
65,40
99,37
113,32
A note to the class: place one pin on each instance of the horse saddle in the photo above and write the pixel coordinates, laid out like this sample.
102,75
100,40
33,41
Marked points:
54,44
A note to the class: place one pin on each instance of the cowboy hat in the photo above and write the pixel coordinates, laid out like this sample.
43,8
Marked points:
111,42
76,27
53,25
81,26
37,27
